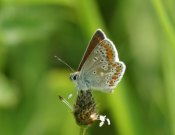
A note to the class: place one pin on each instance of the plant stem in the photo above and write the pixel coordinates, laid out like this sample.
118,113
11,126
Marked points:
165,21
83,130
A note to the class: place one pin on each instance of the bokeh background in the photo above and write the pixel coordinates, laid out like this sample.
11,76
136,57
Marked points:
32,32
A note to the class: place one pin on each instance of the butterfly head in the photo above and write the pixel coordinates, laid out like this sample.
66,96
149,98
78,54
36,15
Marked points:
74,76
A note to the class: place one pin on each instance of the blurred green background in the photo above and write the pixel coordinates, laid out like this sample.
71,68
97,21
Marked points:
32,32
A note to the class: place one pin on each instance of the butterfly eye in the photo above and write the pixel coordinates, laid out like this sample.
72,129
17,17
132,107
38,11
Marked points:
74,77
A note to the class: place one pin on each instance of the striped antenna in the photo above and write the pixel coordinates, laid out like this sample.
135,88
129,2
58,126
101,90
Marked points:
59,59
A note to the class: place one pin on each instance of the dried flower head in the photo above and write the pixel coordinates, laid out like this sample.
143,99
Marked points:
84,110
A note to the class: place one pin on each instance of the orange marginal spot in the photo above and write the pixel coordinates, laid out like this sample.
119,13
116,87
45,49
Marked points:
114,65
114,77
109,51
118,70
110,60
110,56
111,83
104,45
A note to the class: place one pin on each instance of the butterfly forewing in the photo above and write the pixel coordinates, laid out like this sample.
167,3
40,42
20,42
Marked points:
96,38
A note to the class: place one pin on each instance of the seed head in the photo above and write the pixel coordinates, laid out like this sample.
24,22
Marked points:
85,108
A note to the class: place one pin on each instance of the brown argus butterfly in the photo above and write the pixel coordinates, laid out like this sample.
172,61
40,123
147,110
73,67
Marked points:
100,68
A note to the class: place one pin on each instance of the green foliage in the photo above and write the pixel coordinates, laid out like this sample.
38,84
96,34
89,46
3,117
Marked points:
33,32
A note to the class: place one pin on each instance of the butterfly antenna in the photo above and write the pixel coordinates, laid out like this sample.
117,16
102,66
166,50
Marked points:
59,59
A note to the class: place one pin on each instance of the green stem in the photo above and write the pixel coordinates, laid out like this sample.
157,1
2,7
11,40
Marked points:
89,16
165,21
83,130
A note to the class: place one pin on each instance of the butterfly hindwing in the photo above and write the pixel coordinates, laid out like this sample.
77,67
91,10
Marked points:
102,69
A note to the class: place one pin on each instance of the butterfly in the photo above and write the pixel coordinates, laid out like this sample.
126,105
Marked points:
100,67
